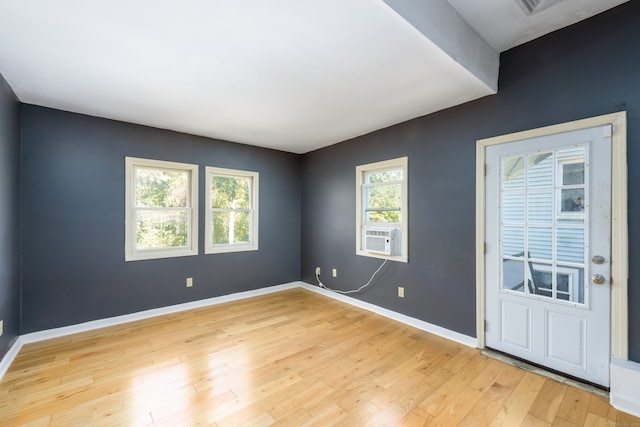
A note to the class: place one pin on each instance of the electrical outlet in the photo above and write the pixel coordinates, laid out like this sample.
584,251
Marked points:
400,291
1,327
317,271
189,282
335,273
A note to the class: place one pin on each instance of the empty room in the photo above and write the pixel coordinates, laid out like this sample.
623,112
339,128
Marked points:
353,212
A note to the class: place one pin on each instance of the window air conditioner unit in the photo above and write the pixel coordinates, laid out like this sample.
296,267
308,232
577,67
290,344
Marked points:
380,240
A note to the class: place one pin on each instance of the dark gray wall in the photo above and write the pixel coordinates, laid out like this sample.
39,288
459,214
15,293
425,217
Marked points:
73,220
9,216
588,69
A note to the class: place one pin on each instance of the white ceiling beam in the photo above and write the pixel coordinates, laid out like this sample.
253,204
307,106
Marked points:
442,24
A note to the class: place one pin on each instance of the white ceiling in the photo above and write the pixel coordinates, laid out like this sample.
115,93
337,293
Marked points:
284,74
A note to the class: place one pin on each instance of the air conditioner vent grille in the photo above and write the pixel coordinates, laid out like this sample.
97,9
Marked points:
380,240
534,6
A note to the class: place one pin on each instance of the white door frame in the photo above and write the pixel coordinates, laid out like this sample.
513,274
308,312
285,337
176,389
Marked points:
619,234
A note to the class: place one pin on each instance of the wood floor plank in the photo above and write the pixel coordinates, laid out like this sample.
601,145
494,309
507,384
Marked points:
547,403
485,409
574,406
291,358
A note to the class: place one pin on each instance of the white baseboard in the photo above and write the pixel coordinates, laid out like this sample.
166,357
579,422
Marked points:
408,320
625,386
126,318
8,358
118,320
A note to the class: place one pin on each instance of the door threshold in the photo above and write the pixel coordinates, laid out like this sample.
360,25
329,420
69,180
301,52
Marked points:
546,372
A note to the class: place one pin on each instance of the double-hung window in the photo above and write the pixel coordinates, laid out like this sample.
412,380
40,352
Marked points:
161,218
381,206
231,223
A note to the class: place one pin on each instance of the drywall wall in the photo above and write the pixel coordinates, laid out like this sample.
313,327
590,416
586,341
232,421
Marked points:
72,186
9,216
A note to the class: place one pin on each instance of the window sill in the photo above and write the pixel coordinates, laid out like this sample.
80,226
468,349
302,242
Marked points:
396,258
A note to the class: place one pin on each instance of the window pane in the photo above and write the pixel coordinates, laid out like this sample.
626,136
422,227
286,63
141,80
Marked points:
540,207
513,172
228,192
382,203
231,227
572,200
382,216
513,207
161,229
161,188
384,176
573,174
383,196
540,172
563,282
513,275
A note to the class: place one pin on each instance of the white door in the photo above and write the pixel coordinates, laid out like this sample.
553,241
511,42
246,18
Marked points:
548,228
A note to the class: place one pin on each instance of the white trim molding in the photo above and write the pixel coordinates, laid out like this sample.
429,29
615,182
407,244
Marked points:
625,386
9,357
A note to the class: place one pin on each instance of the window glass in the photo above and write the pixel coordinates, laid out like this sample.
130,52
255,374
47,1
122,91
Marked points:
161,220
232,213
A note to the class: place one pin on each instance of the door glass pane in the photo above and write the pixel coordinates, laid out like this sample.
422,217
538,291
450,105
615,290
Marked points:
513,241
513,207
571,154
541,280
570,245
540,171
572,200
573,173
570,284
540,207
513,172
543,202
513,275
540,241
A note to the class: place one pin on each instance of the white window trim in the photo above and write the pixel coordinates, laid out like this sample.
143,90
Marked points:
130,252
210,248
403,226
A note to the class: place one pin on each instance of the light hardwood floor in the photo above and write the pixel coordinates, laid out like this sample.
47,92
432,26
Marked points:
291,358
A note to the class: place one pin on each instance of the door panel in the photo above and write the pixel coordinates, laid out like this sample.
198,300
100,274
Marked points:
548,214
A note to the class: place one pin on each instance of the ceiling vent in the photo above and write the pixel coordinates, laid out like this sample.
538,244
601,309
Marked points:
534,6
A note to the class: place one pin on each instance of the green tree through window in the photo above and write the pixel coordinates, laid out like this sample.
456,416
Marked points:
383,196
231,210
161,208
